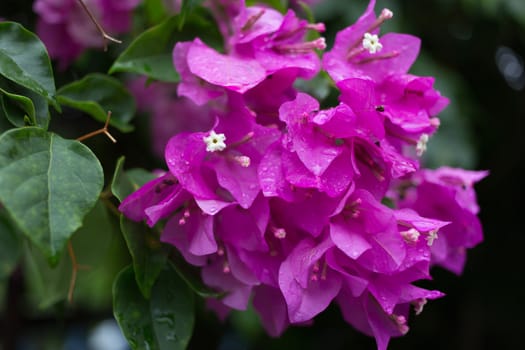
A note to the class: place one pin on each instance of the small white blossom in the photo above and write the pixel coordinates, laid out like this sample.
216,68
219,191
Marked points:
214,142
371,43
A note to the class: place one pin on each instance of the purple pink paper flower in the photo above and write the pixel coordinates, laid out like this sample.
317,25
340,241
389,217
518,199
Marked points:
282,201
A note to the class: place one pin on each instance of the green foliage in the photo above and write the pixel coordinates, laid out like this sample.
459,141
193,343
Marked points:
24,60
10,247
280,5
100,256
155,10
148,253
186,8
163,322
47,184
24,107
124,183
96,94
150,53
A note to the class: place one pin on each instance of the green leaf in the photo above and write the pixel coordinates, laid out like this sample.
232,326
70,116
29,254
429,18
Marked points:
186,8
155,10
164,322
150,53
121,185
10,248
17,109
46,286
279,5
24,60
47,184
139,177
96,94
97,248
148,253
22,106
125,183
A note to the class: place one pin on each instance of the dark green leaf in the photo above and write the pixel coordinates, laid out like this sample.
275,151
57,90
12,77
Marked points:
155,10
121,185
164,322
125,183
150,53
10,248
148,253
47,184
139,177
96,94
24,60
187,7
46,286
95,250
18,109
22,106
279,5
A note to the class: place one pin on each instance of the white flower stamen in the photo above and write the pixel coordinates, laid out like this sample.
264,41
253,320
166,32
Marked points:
243,161
419,304
279,233
410,236
214,142
386,14
371,43
432,236
421,146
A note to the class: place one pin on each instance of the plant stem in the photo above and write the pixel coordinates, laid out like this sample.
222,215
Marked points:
101,30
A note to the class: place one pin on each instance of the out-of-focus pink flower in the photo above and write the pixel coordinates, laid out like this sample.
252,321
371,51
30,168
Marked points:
66,29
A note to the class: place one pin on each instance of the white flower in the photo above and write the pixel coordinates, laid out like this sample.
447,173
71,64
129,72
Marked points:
371,43
214,142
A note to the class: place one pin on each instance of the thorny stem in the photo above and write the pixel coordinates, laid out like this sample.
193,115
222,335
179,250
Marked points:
103,130
75,268
101,30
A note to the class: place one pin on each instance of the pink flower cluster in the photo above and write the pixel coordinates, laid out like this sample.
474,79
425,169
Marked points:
282,202
67,30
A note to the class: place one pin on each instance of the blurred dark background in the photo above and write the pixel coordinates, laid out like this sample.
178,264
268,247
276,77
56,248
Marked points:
476,50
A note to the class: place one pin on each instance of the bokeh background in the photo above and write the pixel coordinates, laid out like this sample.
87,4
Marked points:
476,50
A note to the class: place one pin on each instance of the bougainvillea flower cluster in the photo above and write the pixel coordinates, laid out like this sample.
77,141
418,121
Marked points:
283,203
